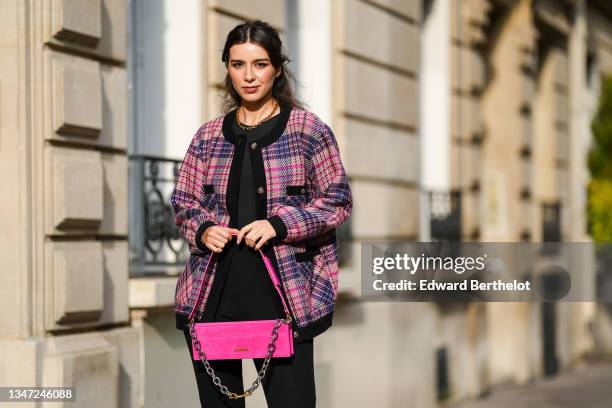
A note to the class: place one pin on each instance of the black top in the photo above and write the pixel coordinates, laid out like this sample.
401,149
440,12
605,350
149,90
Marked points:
246,188
247,292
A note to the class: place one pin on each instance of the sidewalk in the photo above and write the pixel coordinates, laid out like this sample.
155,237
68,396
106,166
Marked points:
586,387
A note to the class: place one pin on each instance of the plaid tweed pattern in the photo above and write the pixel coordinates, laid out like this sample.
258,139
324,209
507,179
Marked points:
306,154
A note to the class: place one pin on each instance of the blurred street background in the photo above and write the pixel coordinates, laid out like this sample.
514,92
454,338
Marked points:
587,386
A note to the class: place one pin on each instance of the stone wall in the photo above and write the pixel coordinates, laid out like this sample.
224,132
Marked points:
64,228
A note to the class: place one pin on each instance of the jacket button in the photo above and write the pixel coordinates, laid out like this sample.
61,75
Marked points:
260,190
303,190
254,145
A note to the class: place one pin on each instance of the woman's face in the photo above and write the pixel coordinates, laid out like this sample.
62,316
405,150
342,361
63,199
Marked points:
251,72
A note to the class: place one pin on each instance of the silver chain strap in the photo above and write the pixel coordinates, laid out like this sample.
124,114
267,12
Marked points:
260,375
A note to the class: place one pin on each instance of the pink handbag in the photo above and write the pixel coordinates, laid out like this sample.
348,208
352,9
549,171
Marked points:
243,339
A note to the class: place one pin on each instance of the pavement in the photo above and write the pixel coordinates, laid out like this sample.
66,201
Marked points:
589,386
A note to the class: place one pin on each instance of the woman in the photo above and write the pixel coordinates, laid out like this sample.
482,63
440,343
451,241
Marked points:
270,172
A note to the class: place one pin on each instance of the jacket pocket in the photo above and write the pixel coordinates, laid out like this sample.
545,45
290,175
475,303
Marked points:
296,195
305,262
307,255
296,190
209,198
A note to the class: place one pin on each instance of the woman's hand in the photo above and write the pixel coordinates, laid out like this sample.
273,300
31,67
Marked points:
256,233
215,237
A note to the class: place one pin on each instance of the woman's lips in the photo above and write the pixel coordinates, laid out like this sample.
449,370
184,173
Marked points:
250,89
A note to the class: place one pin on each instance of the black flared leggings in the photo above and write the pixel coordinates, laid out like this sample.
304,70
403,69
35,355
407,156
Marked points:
289,382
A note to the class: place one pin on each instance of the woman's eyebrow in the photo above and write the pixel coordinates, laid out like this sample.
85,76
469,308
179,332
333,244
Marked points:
257,60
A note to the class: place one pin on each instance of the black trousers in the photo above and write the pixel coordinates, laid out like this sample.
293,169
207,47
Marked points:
289,382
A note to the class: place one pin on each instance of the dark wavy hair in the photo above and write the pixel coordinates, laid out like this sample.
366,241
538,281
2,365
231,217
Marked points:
264,35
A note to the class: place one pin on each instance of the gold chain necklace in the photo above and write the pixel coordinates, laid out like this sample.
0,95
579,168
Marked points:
244,126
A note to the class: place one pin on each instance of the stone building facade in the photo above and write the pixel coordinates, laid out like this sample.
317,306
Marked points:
65,314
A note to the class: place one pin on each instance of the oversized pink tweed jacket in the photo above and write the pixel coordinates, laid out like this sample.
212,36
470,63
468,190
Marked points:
303,191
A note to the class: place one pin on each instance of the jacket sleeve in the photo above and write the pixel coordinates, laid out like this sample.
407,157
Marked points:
332,200
191,217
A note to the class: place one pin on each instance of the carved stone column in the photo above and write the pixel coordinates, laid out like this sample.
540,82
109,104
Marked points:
64,262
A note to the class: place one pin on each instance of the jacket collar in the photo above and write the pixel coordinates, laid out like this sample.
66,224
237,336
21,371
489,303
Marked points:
271,137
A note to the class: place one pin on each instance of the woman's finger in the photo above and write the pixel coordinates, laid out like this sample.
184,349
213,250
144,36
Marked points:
212,247
219,242
243,231
220,237
222,234
263,239
255,236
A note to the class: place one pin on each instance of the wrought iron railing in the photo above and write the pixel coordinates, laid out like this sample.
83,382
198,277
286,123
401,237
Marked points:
551,222
445,215
344,236
155,244
551,228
